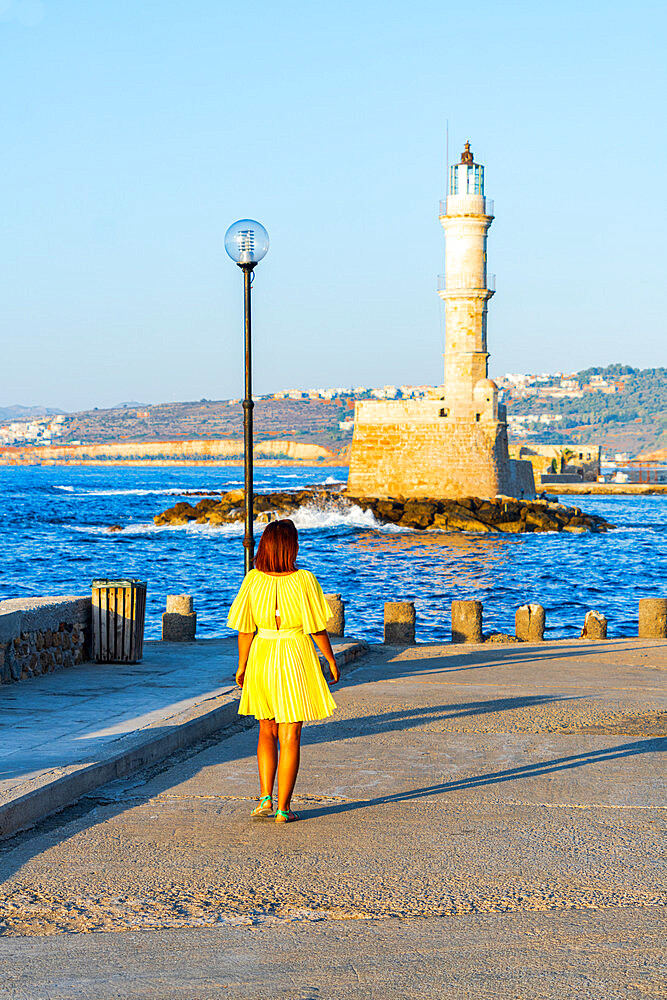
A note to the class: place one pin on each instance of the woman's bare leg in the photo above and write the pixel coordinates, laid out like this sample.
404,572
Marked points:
267,755
289,735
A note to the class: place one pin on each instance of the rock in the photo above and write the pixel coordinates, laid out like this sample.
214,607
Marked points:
205,505
441,523
460,522
500,638
417,514
502,514
490,513
510,509
115,527
180,513
388,510
540,521
223,517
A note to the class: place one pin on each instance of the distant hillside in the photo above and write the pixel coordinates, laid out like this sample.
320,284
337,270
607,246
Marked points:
628,413
306,421
633,419
9,413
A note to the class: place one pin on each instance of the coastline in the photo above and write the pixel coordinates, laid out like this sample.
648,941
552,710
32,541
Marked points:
605,489
553,489
179,462
214,451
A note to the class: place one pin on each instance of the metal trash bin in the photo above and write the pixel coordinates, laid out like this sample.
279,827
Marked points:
119,613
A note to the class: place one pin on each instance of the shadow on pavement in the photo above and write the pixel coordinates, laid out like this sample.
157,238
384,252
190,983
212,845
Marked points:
496,777
444,658
412,718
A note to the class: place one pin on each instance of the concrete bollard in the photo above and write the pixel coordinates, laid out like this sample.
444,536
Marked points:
529,623
467,621
179,622
399,623
653,618
595,626
336,624
180,604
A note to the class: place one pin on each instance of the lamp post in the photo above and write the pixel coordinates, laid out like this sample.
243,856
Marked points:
246,242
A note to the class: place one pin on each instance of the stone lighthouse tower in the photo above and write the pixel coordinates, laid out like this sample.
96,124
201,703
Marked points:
453,443
465,287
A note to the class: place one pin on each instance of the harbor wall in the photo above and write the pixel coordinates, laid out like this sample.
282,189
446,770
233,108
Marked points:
41,634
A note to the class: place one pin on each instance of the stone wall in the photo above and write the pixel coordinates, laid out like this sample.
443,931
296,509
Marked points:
579,460
416,449
522,480
40,635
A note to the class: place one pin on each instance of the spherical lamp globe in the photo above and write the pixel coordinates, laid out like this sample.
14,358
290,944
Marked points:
246,242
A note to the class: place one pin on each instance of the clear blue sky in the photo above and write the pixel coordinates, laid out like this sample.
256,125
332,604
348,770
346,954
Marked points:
135,131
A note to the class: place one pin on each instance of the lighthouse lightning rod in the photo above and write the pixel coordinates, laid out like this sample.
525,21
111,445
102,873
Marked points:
446,157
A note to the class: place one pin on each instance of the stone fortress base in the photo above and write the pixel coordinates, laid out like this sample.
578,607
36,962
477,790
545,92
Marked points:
415,449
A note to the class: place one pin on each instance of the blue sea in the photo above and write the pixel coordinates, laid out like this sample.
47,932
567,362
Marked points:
54,540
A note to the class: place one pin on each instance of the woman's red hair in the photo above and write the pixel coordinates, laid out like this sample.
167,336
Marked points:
278,546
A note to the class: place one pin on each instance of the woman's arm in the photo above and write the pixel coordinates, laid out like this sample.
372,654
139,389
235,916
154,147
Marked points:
245,642
324,644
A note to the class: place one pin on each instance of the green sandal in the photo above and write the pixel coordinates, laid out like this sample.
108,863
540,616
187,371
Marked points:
264,810
286,816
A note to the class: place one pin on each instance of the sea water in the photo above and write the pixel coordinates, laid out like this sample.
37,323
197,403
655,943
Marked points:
54,540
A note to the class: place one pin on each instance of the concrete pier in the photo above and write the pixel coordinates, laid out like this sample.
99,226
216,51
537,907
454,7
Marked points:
475,821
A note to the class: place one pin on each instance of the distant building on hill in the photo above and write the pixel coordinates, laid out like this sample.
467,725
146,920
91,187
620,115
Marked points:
553,463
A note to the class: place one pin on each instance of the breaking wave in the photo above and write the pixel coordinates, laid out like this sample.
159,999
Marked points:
309,518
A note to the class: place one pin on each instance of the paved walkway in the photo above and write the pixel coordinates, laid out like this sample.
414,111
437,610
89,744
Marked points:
476,822
62,718
75,724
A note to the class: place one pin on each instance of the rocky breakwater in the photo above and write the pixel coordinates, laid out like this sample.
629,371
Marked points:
503,514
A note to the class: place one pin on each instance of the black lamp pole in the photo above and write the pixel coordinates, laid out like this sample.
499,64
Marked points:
246,242
248,538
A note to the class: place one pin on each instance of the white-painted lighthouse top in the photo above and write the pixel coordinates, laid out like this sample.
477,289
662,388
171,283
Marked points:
465,195
466,177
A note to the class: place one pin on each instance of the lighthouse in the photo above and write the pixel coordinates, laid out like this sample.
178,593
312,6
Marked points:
453,442
466,215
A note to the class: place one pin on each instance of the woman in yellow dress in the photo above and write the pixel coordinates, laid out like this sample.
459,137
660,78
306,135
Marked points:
276,612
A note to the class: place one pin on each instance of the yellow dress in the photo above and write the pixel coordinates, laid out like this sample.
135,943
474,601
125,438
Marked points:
283,678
